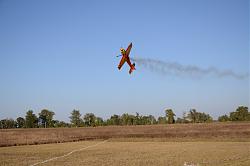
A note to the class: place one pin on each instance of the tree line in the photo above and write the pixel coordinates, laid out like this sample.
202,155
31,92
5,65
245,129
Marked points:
45,119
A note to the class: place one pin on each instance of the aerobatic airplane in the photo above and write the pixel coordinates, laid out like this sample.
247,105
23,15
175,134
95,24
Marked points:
125,58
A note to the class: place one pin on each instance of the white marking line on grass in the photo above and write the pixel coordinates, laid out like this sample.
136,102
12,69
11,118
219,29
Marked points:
65,155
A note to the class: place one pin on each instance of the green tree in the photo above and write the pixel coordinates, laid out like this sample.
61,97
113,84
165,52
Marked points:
223,118
99,121
151,119
61,124
2,123
184,118
170,116
46,118
7,124
114,120
138,119
20,122
198,117
131,120
89,119
144,120
241,114
75,118
162,120
193,115
125,119
203,117
148,120
31,120
179,120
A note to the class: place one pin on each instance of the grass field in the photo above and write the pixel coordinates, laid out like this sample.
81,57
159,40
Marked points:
179,144
181,132
131,153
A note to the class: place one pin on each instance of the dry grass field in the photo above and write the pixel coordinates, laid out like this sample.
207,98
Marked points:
130,153
174,132
212,144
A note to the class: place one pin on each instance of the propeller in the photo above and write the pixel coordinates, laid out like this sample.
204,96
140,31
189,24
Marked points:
119,55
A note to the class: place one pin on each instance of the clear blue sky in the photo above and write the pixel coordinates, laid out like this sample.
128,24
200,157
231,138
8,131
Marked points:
60,55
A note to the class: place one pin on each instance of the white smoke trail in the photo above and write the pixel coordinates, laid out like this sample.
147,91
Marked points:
175,68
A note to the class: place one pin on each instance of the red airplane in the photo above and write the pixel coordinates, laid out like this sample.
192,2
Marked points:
125,58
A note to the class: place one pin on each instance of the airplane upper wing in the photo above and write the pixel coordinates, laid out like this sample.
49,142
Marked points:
128,49
121,62
129,62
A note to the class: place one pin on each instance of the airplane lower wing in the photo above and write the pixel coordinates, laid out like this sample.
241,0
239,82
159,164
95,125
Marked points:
121,63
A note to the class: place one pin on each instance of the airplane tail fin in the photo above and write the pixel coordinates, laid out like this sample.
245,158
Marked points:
132,68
